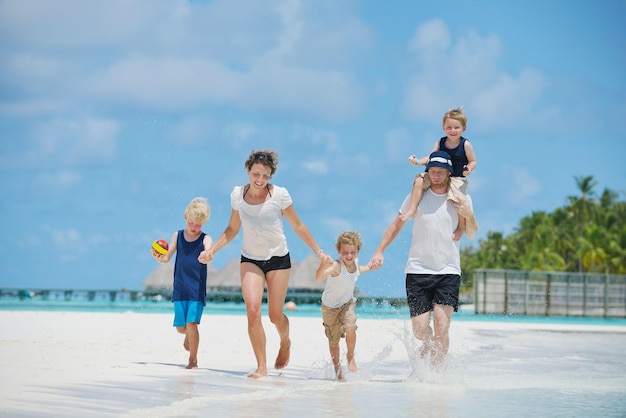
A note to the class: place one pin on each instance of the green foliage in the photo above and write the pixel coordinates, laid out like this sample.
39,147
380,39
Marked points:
586,235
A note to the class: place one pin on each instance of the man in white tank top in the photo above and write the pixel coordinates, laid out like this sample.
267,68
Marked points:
433,269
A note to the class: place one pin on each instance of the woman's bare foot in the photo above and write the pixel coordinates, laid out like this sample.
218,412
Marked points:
283,355
352,364
258,373
340,374
193,365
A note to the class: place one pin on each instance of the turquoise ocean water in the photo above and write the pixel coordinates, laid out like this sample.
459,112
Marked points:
379,310
493,371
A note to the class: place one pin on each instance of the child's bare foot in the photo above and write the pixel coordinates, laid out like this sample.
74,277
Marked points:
258,373
186,342
352,364
457,234
193,365
283,355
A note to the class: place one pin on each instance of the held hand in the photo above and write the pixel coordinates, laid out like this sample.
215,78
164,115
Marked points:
376,261
206,256
373,266
324,258
466,171
413,160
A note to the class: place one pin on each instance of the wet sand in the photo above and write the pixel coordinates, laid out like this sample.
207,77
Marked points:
77,364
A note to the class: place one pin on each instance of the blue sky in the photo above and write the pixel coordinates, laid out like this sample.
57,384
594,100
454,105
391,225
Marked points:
114,115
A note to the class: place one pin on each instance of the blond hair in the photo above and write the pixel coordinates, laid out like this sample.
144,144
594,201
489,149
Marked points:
198,210
456,114
349,238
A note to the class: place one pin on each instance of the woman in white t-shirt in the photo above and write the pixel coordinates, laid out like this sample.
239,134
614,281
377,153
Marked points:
258,208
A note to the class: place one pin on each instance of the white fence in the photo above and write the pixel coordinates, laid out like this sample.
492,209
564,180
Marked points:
549,293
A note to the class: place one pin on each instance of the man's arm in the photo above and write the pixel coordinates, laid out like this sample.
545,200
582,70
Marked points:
389,236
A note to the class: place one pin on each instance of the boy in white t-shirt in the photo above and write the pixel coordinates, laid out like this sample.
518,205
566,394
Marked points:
338,299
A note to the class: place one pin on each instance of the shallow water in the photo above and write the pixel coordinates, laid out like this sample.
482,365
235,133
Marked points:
491,372
372,311
497,366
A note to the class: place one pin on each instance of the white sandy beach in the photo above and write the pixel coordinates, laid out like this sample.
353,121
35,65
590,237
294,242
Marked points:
127,364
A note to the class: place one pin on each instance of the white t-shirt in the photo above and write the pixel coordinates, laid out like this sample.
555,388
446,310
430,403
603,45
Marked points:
262,225
433,251
339,290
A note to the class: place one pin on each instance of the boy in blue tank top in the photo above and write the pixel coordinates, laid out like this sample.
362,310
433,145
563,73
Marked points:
189,293
463,163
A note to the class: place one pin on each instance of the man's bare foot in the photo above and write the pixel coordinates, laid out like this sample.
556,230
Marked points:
258,373
193,365
283,355
352,364
427,349
186,342
438,362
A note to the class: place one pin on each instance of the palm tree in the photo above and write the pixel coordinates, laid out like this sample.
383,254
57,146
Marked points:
583,207
586,234
565,236
594,254
540,255
608,198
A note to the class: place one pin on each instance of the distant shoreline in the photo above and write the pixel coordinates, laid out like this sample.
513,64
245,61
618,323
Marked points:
216,295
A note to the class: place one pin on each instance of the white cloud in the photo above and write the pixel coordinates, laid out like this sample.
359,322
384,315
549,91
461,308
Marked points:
261,55
60,180
166,83
524,185
77,141
432,35
291,30
68,242
464,72
337,224
68,24
399,143
25,108
191,131
316,166
241,133
328,94
515,95
29,241
330,140
63,143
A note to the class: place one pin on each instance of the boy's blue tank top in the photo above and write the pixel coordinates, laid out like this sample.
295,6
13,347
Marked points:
189,273
457,155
